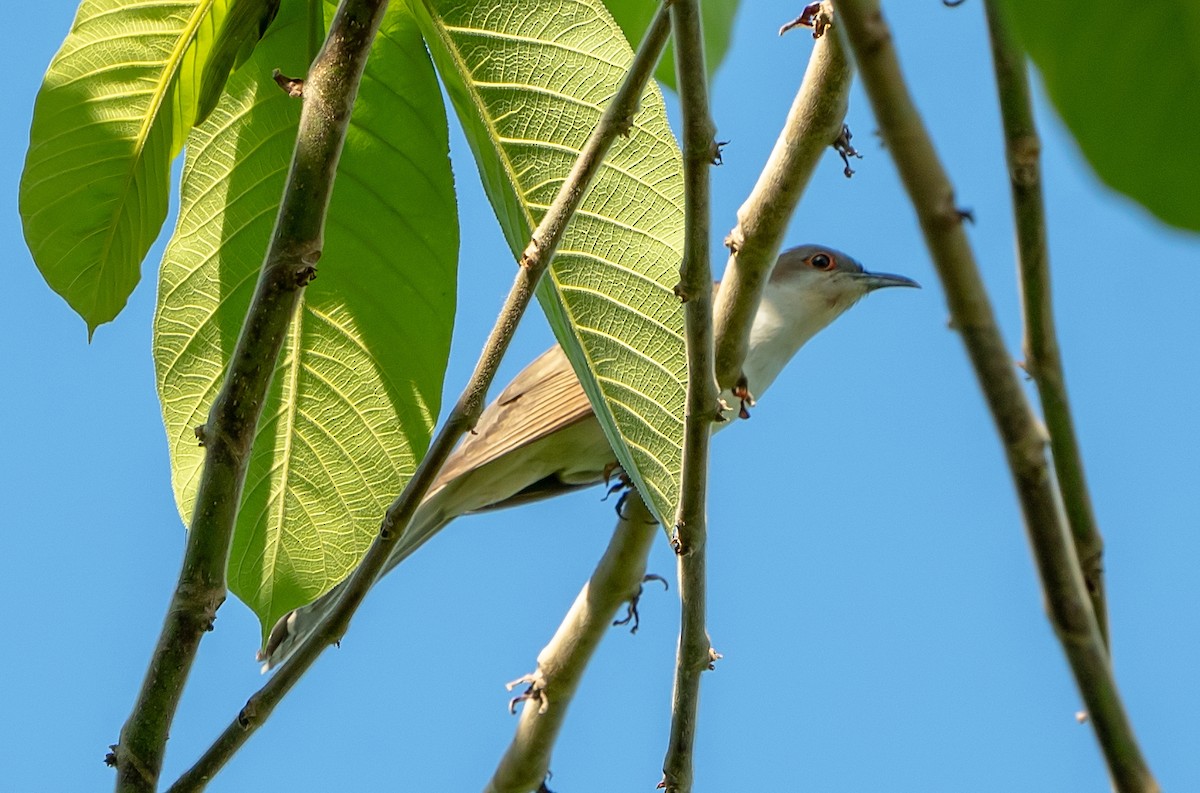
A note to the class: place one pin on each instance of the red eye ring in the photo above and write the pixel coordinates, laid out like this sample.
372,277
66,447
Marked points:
822,261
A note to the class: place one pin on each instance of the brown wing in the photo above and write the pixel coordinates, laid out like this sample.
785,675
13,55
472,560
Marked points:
545,397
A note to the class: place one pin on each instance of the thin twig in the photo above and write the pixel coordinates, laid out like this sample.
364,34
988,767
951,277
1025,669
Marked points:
616,580
813,124
618,116
1043,361
227,436
1068,605
695,652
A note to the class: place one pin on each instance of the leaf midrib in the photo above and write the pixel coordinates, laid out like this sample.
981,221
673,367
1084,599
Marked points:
158,96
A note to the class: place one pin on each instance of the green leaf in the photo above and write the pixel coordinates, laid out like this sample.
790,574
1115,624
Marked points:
113,111
529,82
358,384
244,26
1124,81
634,17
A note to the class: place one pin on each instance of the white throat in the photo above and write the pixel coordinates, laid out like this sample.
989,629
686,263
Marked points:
791,313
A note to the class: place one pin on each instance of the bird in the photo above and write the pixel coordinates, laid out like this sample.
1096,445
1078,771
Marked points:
540,437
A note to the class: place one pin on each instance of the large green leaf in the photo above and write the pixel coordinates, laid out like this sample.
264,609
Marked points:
114,109
358,384
634,17
529,80
243,27
1124,79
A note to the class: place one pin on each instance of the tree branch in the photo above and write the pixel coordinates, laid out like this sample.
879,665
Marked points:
695,653
560,666
617,117
1068,605
813,124
229,432
1043,360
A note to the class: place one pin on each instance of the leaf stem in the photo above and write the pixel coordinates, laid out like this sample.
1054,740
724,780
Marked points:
695,653
1043,361
617,116
813,124
1068,605
561,664
228,434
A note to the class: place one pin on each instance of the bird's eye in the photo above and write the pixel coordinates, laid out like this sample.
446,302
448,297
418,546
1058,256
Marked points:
822,261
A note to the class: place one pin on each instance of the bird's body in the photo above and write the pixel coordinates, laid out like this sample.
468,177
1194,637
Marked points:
540,437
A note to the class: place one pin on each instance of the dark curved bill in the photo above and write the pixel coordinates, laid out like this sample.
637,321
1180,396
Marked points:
881,280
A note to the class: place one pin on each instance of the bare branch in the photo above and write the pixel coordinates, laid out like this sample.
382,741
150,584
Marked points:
702,406
813,124
616,580
1068,604
290,264
534,262
1043,360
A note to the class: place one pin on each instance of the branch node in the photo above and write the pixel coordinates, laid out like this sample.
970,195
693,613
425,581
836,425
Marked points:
677,540
535,690
624,124
715,152
200,431
531,256
813,16
306,274
292,86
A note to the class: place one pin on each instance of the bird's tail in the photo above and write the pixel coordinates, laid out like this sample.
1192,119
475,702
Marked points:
297,625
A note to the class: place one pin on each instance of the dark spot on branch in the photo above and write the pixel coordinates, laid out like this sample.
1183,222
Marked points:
676,540
110,759
293,86
624,125
810,17
200,433
715,152
531,254
306,274
527,694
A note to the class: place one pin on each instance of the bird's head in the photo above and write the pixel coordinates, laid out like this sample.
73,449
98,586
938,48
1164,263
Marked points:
825,281
810,287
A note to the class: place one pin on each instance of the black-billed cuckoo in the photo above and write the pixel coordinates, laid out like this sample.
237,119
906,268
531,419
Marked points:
540,437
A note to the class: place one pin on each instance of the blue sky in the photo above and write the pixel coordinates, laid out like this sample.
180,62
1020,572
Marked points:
871,588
